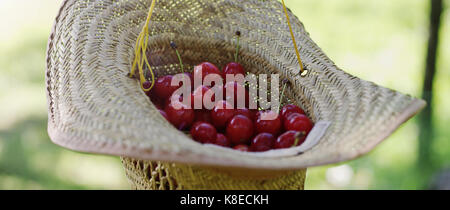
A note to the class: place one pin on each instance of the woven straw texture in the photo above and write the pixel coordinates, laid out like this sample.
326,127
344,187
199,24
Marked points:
144,175
94,107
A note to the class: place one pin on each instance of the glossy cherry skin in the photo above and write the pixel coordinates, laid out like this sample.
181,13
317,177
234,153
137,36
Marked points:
240,130
203,116
222,140
273,127
158,103
289,109
262,142
181,118
204,133
287,140
163,87
221,115
242,148
233,68
298,122
246,112
231,93
204,69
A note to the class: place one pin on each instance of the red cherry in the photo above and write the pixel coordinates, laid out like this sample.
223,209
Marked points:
242,148
205,68
246,112
272,126
289,109
298,122
221,114
262,142
204,133
158,103
234,69
163,113
151,93
183,117
287,140
203,116
196,123
231,93
163,87
222,140
240,129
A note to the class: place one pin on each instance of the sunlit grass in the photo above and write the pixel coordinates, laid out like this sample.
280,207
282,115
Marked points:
380,42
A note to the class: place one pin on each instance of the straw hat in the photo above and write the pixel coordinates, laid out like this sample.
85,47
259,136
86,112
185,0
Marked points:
94,107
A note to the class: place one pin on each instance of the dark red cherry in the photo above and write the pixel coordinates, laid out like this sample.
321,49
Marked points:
242,148
204,69
262,142
204,133
196,123
240,130
268,122
233,68
222,140
289,109
180,115
163,113
298,122
288,140
246,112
203,116
152,95
163,87
158,103
222,114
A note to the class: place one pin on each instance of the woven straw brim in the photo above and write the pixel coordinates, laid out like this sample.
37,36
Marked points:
94,107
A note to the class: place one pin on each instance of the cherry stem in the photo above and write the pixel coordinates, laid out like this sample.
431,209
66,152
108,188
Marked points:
174,46
297,138
238,34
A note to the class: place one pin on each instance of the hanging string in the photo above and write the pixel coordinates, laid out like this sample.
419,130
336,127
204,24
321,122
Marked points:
140,52
142,42
302,69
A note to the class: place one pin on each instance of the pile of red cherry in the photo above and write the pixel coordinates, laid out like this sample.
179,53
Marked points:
242,129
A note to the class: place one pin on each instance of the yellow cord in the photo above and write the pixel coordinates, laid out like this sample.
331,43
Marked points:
293,38
140,52
142,42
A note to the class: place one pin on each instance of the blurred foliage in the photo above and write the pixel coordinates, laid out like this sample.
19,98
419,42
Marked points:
381,41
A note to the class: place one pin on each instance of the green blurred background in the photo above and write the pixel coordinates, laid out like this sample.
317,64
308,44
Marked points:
378,40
